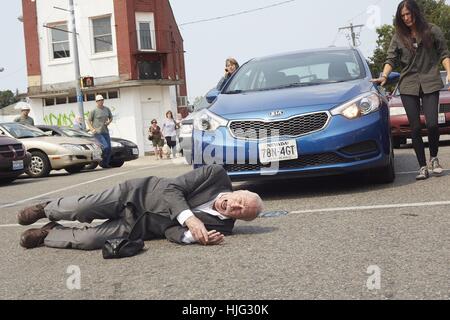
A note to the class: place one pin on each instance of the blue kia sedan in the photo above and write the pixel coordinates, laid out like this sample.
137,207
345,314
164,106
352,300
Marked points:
306,113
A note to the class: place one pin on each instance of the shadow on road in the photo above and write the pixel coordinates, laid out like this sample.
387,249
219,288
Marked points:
355,183
252,230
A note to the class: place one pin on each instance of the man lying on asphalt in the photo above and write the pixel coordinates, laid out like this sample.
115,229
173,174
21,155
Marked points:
197,207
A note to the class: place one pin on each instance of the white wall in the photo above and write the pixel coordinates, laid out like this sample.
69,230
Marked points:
132,112
96,65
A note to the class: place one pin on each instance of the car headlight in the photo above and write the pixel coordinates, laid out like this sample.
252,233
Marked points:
208,121
116,144
397,111
73,147
128,144
358,107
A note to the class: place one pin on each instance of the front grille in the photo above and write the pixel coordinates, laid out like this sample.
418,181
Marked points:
304,161
7,154
8,151
294,127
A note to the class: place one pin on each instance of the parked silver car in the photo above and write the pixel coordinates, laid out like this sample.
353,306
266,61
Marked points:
52,153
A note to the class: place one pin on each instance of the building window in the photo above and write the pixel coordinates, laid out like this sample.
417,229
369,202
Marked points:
113,94
145,36
145,25
61,100
90,97
49,102
60,41
72,99
102,34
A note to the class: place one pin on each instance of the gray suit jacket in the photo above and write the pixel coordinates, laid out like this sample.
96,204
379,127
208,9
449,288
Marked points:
157,202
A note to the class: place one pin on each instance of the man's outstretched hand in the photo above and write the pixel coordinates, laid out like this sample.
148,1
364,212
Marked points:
198,230
215,237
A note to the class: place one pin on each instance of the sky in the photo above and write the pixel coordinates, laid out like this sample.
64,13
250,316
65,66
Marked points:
290,26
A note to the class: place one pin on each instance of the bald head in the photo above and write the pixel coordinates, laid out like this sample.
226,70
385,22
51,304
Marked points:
242,204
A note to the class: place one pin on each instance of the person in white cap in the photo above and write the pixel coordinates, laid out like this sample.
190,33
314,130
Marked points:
98,122
24,118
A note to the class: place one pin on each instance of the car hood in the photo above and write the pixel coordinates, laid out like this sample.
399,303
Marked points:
54,140
4,140
309,99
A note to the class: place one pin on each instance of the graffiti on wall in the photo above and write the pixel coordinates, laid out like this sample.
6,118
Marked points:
67,119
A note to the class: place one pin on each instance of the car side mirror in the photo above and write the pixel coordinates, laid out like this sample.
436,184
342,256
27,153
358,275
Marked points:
212,95
392,78
190,108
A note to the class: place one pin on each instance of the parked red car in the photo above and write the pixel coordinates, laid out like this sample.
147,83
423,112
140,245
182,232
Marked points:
399,121
14,159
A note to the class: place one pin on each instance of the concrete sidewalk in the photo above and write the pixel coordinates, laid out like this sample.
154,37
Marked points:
151,160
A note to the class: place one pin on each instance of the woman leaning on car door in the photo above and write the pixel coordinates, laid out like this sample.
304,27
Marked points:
418,47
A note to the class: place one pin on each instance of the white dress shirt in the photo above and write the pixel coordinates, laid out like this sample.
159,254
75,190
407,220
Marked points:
186,214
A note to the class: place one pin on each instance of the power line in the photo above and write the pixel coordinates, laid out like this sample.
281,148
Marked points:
237,13
363,12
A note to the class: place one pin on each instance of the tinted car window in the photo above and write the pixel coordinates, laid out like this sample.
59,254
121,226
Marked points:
308,68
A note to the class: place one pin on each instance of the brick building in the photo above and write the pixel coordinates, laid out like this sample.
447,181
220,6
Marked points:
133,49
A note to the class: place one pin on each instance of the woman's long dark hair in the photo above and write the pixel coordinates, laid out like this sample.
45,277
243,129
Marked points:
422,26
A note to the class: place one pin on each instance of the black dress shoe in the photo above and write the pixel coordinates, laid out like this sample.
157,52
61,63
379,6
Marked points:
31,214
33,238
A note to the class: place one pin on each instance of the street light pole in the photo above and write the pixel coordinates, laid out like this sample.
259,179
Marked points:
76,61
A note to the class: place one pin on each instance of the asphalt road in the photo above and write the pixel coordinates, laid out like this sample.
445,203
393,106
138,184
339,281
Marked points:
337,229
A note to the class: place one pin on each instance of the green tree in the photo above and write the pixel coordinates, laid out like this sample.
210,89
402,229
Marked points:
7,98
435,11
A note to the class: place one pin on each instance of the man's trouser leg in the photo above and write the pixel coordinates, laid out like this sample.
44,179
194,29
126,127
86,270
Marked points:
103,205
88,238
107,157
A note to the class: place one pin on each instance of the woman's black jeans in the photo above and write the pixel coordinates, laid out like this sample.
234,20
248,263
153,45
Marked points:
430,106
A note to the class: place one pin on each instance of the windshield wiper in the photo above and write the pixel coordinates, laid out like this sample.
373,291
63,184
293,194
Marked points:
305,84
25,137
233,92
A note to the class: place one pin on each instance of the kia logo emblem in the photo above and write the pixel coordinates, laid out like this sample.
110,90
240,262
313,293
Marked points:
277,113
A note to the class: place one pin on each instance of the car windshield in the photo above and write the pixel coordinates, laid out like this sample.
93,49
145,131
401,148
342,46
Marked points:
20,131
296,70
75,133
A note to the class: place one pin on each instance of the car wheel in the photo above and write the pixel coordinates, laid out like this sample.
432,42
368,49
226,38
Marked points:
398,141
385,174
39,165
74,169
91,166
116,163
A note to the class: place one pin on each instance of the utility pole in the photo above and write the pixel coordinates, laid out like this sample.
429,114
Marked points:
352,31
76,59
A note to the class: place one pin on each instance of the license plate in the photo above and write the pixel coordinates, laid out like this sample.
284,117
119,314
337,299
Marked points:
442,119
17,165
96,155
278,151
135,151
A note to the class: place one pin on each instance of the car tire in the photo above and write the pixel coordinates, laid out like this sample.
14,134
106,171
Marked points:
398,141
91,166
39,165
116,163
385,174
74,169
